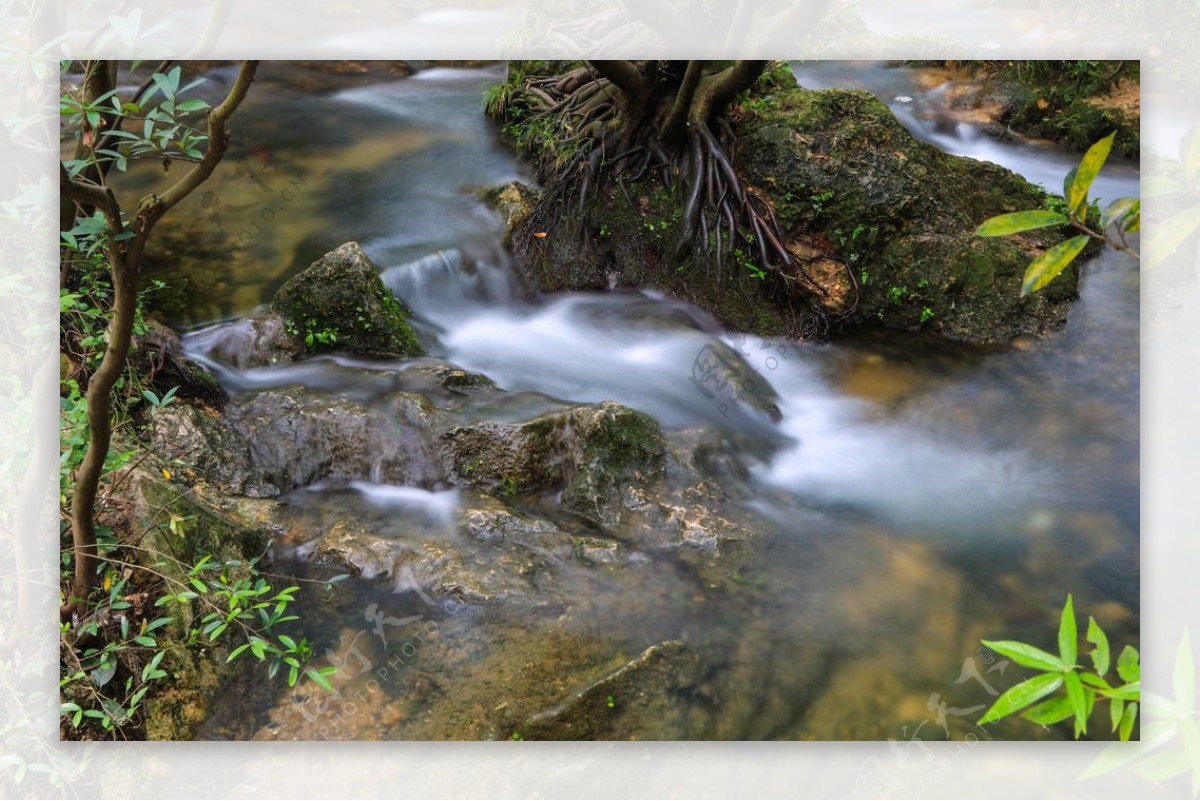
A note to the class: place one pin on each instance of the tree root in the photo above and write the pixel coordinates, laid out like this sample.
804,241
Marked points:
608,135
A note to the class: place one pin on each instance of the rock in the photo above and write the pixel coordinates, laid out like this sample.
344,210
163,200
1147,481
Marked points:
860,201
260,340
340,301
647,698
157,354
296,439
472,571
275,441
903,213
209,450
602,455
514,200
596,551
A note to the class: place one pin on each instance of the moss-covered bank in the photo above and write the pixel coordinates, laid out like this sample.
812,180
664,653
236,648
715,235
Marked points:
885,220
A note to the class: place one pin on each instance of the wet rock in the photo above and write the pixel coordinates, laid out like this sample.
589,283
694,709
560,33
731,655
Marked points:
595,551
515,202
158,355
273,441
448,568
296,438
604,456
256,341
201,445
340,301
644,699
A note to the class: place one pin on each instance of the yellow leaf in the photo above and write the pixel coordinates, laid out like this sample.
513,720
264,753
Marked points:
166,474
540,234
107,581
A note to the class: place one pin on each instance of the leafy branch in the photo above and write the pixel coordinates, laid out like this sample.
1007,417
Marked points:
1121,217
1083,688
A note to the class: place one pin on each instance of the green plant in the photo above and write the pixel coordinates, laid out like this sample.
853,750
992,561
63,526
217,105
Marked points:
1122,216
508,485
1083,688
206,604
927,314
896,294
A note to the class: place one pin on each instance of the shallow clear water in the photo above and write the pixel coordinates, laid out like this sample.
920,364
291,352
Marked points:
915,496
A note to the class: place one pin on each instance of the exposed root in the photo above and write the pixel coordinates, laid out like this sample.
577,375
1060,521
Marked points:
605,135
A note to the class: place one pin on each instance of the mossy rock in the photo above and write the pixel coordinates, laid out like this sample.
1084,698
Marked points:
860,200
902,214
340,302
599,454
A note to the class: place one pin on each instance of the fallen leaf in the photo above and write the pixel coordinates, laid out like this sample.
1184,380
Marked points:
540,234
166,474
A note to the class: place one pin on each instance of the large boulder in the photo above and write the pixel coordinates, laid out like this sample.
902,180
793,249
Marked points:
340,301
902,214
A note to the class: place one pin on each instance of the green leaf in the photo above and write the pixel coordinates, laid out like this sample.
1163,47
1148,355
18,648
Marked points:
1026,655
1022,695
1046,267
293,674
1116,710
1127,720
1078,702
234,653
148,642
152,667
1049,712
288,641
1068,636
195,104
1127,692
1118,209
1184,679
1068,182
319,679
1163,238
1127,665
1095,681
1097,637
1019,221
1088,169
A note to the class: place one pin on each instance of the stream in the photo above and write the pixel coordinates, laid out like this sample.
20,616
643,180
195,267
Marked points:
914,497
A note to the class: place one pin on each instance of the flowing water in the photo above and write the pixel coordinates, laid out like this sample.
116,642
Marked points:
913,498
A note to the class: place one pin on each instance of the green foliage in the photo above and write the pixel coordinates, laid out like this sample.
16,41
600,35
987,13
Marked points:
209,604
157,125
315,335
1122,216
1083,688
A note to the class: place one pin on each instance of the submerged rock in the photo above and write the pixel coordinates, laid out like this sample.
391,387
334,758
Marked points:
647,698
340,301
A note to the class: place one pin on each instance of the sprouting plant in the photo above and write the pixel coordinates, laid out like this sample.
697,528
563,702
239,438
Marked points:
896,294
927,314
508,485
1083,688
